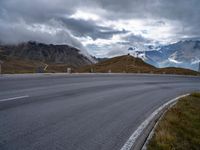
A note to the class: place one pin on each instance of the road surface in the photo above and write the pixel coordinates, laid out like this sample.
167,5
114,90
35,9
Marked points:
81,112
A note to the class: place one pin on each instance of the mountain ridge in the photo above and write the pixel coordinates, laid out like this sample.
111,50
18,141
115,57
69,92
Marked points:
184,54
47,53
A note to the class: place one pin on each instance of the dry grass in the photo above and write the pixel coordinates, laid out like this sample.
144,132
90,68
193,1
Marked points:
129,64
16,65
119,64
11,66
53,68
179,71
180,127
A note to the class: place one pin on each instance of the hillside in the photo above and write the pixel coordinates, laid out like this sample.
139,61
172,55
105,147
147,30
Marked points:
14,65
124,63
177,71
130,64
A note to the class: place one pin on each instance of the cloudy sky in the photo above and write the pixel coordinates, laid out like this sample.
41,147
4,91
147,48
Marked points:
104,28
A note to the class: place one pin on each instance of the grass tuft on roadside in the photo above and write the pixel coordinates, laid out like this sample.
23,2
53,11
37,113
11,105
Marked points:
179,129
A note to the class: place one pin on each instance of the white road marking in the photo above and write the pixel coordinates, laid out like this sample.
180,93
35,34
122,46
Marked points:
131,141
14,98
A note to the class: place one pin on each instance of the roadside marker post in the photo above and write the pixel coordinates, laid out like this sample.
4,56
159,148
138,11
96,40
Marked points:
91,70
1,62
69,70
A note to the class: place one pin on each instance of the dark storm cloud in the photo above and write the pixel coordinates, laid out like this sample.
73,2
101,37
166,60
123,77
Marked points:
82,28
18,33
136,38
40,12
18,16
170,9
186,12
133,39
37,10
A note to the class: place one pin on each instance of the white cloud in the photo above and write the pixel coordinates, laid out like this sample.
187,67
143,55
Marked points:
79,14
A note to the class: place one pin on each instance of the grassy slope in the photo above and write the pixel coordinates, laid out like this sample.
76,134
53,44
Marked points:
118,65
16,65
174,70
180,127
130,64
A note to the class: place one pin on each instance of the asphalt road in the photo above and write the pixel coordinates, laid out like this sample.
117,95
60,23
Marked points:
81,112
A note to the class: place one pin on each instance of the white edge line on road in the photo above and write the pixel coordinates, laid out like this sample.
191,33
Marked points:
14,98
131,141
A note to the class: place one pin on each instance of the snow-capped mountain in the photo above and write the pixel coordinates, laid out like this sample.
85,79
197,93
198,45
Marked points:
185,54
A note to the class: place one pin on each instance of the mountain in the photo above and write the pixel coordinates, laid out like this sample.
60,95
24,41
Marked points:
185,54
130,64
27,57
53,54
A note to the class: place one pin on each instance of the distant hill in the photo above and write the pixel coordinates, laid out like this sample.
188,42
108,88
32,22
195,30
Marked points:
124,63
130,64
51,54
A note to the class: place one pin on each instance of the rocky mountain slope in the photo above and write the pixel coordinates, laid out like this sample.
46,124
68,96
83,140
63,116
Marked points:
50,54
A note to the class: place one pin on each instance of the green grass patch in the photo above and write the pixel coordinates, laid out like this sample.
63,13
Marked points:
179,129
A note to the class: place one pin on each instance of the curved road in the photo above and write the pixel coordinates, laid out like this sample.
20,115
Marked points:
81,112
